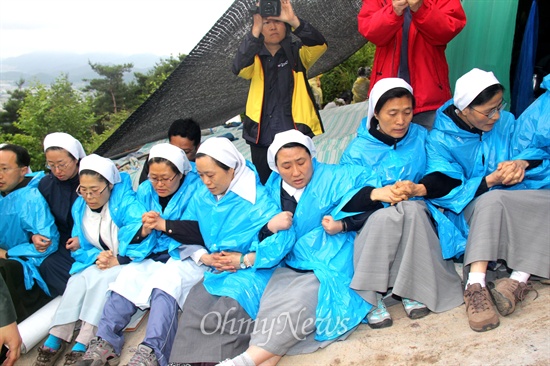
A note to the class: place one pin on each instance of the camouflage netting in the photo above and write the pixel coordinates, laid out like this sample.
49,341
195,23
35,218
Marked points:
204,88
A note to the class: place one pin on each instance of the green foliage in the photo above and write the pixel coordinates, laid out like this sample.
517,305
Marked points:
147,83
59,108
11,108
342,77
111,123
111,93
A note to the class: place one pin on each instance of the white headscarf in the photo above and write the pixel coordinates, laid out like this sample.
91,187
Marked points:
286,137
65,141
101,165
470,85
244,181
173,154
381,87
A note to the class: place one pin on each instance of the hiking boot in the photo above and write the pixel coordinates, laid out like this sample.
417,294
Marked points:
73,357
47,356
415,309
144,356
479,307
379,317
99,353
503,291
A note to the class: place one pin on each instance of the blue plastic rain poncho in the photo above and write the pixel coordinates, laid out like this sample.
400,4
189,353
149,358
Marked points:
330,257
404,161
24,213
147,195
469,157
533,125
232,224
126,212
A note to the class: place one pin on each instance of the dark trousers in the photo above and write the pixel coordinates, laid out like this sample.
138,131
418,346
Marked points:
259,159
55,270
25,302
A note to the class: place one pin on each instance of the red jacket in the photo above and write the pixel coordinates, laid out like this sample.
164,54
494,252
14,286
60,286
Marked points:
434,25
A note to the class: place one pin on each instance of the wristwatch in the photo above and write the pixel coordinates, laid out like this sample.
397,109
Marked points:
241,263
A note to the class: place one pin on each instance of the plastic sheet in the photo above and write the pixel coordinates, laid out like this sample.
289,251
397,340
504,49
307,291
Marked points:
36,327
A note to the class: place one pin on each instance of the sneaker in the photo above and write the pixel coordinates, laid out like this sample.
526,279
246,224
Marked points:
415,309
144,356
504,294
99,353
47,356
479,307
379,317
72,358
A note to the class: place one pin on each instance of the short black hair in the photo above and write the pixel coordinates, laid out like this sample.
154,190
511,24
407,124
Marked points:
486,95
158,160
93,173
398,92
290,145
58,148
218,163
22,157
186,127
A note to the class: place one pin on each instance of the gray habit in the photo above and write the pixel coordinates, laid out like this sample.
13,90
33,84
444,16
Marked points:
398,248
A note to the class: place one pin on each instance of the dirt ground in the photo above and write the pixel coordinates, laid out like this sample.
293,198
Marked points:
523,338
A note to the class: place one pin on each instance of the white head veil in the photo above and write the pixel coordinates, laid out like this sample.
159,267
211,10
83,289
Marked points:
65,141
286,137
101,165
382,86
173,154
223,150
470,85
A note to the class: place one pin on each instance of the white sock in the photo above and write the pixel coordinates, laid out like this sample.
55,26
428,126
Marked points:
520,276
476,277
243,360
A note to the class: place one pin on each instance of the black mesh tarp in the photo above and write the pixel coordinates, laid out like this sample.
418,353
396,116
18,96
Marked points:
204,88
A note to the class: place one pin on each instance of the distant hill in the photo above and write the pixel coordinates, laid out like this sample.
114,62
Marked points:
46,67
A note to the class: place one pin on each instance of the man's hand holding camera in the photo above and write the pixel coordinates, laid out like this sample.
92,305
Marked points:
286,15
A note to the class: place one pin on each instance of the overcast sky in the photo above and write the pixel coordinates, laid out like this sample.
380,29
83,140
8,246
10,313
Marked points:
160,27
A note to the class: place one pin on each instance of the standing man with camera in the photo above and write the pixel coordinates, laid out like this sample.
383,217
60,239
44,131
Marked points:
280,97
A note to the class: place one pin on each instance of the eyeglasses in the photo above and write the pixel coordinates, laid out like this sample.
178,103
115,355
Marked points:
94,192
4,171
493,111
164,181
60,166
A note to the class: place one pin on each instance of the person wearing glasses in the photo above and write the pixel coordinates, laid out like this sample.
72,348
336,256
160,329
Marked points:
161,282
107,226
27,231
500,200
63,154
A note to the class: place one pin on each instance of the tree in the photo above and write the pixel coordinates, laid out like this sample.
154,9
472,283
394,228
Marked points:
147,83
111,92
342,77
11,108
59,108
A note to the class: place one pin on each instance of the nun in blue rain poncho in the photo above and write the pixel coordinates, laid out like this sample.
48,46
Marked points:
411,261
160,282
312,293
502,188
107,220
240,225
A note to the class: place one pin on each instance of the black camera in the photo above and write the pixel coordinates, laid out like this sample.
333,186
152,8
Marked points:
267,8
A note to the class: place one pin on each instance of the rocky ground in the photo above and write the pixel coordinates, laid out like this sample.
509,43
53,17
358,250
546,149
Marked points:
523,338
